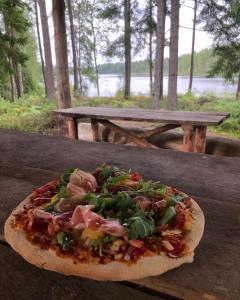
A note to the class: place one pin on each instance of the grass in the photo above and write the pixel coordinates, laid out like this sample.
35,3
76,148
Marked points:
33,113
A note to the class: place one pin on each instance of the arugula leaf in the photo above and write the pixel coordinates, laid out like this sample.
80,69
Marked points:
65,240
106,172
123,200
170,213
63,193
173,200
111,181
66,176
140,227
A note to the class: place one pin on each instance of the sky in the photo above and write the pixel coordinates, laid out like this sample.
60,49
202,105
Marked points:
202,39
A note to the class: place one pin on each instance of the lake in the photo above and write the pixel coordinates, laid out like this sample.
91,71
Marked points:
111,83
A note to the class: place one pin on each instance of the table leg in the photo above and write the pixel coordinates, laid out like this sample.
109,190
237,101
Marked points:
95,130
72,128
188,138
200,139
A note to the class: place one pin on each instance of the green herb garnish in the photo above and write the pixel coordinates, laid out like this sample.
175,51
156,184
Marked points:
66,176
173,200
170,213
140,227
65,240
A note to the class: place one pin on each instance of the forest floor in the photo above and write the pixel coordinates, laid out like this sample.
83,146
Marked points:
33,113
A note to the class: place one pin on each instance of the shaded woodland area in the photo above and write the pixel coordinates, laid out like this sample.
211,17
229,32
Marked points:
87,30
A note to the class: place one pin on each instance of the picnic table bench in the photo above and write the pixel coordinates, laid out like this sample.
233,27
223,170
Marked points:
194,124
28,161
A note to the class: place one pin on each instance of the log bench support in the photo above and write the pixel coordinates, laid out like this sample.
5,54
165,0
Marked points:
72,125
95,130
194,138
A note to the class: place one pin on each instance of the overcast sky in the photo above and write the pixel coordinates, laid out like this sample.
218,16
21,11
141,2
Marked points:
203,40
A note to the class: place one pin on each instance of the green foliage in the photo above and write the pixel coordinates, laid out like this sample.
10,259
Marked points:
31,113
222,21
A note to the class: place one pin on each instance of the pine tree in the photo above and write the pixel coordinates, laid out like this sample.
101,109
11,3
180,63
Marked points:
159,58
12,41
173,56
63,88
222,20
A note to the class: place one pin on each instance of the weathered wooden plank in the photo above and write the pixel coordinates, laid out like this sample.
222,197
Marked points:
95,130
72,125
158,130
20,280
199,175
129,135
200,139
191,281
171,117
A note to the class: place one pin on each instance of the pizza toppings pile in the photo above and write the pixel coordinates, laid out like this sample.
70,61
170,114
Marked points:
109,215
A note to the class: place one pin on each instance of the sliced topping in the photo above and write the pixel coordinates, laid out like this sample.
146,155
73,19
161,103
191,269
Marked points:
167,245
91,234
75,190
84,180
69,204
83,217
171,232
136,243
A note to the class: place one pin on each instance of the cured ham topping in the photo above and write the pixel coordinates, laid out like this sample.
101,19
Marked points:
111,215
83,217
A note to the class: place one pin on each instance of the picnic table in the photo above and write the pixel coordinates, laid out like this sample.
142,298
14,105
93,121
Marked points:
194,124
28,161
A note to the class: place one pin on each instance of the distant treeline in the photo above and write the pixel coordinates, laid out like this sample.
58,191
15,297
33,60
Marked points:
202,63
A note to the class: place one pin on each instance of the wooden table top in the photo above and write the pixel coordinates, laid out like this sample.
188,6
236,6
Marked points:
29,160
134,114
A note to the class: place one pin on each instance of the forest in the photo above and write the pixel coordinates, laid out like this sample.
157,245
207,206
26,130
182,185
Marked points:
202,65
43,42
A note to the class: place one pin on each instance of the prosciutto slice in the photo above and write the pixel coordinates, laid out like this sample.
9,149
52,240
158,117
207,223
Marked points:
83,217
83,182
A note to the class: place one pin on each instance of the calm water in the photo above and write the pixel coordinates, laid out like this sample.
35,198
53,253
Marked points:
110,84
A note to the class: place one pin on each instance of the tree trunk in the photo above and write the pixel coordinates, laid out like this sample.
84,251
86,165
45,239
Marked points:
18,80
79,59
150,47
49,77
95,54
238,88
173,56
12,87
74,51
193,45
40,45
63,88
159,59
127,46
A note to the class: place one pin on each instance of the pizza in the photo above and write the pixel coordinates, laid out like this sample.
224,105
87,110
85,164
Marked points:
110,224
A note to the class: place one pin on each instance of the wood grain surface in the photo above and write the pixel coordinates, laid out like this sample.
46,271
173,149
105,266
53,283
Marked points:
28,161
171,117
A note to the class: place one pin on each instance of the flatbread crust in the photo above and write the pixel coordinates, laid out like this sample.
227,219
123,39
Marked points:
115,271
